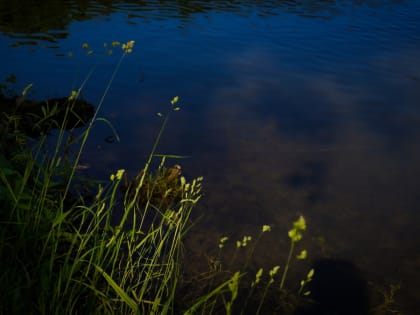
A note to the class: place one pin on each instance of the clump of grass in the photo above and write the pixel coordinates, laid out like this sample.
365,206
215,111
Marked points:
96,257
388,304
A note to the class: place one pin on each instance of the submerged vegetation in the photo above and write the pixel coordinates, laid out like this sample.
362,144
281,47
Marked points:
116,248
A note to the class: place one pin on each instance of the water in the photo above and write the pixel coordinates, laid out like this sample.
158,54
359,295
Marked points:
288,108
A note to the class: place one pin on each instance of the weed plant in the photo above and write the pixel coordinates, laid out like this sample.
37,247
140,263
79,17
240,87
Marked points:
243,293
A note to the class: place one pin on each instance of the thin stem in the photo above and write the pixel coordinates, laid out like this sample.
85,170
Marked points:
251,252
263,297
92,121
286,268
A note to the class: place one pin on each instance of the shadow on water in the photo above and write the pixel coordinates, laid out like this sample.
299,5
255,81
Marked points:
338,287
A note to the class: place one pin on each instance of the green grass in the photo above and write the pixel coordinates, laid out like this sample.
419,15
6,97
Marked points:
62,254
119,248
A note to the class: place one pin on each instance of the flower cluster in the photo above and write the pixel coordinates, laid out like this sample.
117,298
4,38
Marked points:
258,276
266,228
117,176
244,241
86,47
303,254
73,95
303,283
173,102
222,241
128,47
274,271
295,233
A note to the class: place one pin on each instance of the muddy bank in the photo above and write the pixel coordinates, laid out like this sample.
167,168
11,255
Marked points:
34,118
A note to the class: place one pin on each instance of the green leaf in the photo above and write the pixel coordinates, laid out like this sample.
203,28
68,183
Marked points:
6,167
111,126
121,293
59,219
26,89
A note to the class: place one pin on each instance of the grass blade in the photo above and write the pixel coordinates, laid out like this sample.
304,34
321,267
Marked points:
121,293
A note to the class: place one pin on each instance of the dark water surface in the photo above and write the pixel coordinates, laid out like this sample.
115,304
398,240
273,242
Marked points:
288,107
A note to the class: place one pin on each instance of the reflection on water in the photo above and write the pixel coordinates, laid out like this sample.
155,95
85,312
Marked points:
288,107
48,21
